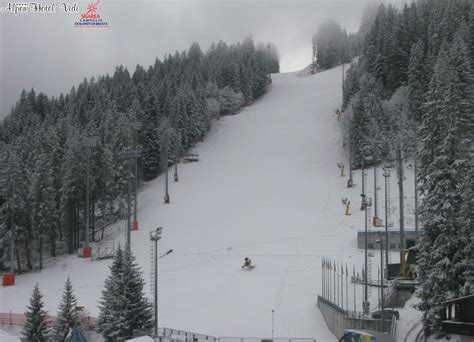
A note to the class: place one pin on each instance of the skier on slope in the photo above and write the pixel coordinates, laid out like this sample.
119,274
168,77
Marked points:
247,263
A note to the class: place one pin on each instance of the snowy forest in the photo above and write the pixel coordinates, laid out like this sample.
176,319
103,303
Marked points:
47,142
411,92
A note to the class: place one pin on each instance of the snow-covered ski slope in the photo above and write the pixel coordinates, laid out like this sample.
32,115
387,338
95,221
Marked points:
266,187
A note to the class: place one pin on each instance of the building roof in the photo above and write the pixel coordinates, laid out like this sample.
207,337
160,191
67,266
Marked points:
460,299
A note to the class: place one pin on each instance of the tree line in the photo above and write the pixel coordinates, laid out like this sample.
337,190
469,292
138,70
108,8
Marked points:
412,91
47,143
333,45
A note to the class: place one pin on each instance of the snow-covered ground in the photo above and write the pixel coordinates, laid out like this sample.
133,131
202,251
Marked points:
267,186
8,337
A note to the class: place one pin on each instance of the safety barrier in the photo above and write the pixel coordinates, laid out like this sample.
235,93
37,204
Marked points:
174,335
337,319
265,339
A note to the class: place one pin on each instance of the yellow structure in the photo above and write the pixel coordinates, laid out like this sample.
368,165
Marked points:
348,208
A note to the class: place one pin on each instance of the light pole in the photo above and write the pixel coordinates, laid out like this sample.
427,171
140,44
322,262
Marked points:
376,217
386,174
12,228
381,281
89,144
350,181
366,288
176,159
415,165
273,324
135,197
366,305
155,236
400,193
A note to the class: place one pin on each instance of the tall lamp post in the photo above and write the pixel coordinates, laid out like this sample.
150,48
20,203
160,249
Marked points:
176,159
366,279
380,241
386,174
89,144
155,236
350,181
165,165
365,202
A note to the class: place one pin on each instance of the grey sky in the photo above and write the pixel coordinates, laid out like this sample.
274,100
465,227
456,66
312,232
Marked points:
46,52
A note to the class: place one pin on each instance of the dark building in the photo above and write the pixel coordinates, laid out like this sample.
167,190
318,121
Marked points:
458,318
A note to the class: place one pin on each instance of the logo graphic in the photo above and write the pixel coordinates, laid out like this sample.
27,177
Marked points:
91,18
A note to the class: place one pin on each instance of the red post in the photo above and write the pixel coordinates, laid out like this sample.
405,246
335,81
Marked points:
86,252
8,279
135,225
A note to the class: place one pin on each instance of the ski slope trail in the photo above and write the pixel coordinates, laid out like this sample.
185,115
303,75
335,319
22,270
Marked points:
266,187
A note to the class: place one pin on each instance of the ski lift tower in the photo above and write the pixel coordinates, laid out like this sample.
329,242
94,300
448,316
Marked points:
155,236
131,154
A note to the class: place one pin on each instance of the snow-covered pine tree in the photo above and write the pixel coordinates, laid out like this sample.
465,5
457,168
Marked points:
66,313
123,307
35,328
351,84
444,157
417,79
110,305
137,310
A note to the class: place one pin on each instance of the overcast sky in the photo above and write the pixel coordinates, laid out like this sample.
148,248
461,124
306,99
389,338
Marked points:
46,52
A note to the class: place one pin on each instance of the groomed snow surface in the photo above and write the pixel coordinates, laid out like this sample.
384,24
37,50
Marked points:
267,186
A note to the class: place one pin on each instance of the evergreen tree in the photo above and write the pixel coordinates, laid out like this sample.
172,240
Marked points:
138,311
442,262
35,328
110,303
67,319
123,307
417,80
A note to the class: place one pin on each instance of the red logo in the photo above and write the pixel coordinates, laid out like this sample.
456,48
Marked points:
91,12
91,17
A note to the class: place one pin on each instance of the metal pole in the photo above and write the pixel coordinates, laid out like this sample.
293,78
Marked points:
328,281
334,284
386,175
355,303
176,159
322,279
135,188
87,198
156,288
416,193
400,190
350,181
337,285
342,287
364,203
167,196
363,176
129,205
375,188
366,287
12,237
343,74
347,290
273,324
381,282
